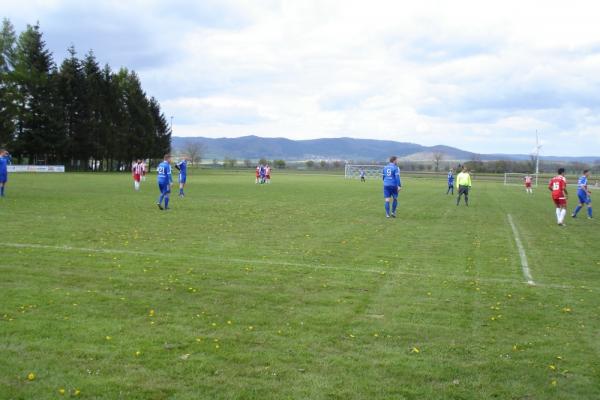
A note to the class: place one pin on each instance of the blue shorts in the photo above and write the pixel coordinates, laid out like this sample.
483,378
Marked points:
182,178
390,191
584,198
164,187
3,178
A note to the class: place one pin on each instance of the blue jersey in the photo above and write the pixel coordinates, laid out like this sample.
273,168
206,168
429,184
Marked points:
164,172
182,167
450,178
4,161
391,175
582,184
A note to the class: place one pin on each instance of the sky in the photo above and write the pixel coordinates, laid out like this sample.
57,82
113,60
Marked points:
480,75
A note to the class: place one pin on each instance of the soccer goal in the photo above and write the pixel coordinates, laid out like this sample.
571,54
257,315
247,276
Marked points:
515,178
352,171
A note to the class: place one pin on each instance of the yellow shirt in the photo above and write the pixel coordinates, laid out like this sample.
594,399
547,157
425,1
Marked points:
463,179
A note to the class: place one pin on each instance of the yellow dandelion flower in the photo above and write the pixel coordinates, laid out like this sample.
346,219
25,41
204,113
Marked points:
109,338
553,383
229,322
415,350
151,313
250,328
31,376
61,391
77,392
552,367
138,353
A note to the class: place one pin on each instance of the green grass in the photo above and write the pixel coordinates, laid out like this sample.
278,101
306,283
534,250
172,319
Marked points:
296,290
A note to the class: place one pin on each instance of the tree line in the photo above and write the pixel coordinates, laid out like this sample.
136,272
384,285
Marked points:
80,114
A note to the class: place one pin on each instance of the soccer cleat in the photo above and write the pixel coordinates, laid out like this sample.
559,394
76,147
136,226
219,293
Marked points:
573,215
387,215
393,215
159,206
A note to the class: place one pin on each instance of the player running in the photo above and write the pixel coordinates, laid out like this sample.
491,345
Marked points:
182,167
391,186
584,195
463,183
558,187
528,182
5,159
164,180
450,182
137,170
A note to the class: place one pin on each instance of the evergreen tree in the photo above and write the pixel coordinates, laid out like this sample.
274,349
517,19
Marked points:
7,97
39,135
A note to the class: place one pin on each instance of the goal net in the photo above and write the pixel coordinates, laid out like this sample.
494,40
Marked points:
515,178
353,171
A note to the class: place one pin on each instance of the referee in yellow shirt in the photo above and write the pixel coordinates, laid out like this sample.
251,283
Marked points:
463,183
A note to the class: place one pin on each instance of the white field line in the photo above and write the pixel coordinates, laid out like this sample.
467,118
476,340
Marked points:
323,267
522,255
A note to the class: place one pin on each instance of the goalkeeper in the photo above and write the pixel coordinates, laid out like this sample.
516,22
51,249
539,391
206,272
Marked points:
463,183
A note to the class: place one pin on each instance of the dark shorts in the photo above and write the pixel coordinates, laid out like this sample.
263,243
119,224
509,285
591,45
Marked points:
3,178
463,190
164,187
390,191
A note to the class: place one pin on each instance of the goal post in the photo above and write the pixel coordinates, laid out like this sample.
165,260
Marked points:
518,179
352,171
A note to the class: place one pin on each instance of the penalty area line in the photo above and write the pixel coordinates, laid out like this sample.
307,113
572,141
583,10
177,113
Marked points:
522,255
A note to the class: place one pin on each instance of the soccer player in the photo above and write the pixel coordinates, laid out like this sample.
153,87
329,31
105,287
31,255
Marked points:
257,173
144,170
584,194
182,167
5,159
267,173
450,182
362,175
528,181
137,170
558,187
463,182
164,180
262,174
391,186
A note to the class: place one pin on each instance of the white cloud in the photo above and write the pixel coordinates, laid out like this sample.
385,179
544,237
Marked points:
480,75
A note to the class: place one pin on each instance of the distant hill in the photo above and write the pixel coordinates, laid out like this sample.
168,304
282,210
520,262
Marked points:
254,147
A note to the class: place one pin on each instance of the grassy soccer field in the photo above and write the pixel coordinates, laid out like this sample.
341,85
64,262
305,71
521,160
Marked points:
296,290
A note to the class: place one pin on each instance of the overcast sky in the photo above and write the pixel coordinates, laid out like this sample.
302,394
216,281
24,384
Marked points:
478,75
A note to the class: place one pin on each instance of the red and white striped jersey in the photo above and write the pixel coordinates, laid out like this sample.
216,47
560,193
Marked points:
137,169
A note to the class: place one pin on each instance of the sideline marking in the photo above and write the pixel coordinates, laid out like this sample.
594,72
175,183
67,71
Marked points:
522,255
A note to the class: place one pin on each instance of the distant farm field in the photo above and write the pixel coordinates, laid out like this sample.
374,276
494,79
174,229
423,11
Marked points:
296,290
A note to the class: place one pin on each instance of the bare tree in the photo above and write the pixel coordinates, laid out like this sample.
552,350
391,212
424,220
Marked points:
194,151
437,157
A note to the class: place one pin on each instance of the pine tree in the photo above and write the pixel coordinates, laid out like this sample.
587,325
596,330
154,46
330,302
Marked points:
7,97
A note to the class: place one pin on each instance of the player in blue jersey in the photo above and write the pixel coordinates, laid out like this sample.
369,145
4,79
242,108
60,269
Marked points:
182,167
164,180
584,195
391,186
4,161
450,182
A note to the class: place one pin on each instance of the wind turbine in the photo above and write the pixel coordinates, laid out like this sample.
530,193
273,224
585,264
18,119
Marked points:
536,150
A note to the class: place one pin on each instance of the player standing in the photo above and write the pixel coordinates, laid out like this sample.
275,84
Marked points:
5,159
450,182
463,182
182,167
267,173
164,180
584,194
528,181
137,171
362,175
391,186
558,187
144,170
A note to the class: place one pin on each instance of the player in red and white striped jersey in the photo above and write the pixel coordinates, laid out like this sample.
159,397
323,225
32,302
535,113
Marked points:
528,182
137,170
